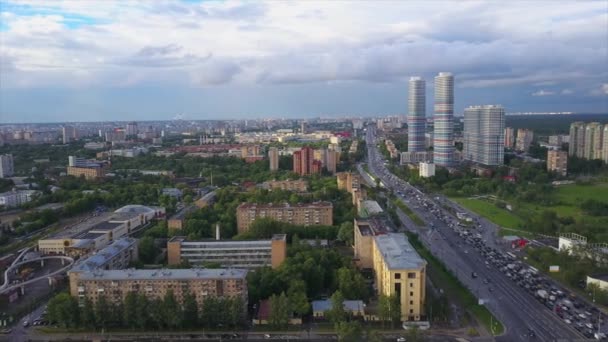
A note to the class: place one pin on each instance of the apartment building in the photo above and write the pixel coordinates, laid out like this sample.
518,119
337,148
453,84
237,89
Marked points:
577,139
273,156
351,182
6,166
484,134
229,253
509,137
398,268
524,139
304,214
557,161
114,285
593,140
298,185
415,157
13,199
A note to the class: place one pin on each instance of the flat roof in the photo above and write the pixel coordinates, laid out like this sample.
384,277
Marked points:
104,256
286,205
397,252
88,235
372,226
172,274
105,226
349,305
79,228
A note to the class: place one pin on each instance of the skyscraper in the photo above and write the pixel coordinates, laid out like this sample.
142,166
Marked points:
416,119
6,166
593,140
273,156
484,134
443,145
577,139
509,137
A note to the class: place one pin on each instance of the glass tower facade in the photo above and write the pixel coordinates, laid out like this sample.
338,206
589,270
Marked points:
416,119
443,141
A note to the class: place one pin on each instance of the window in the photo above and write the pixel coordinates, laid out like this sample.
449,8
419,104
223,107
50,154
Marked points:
411,311
411,275
397,275
411,284
411,302
411,293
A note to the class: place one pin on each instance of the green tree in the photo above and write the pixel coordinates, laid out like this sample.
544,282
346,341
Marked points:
297,297
130,310
384,308
88,314
63,309
236,311
337,313
141,311
190,311
351,284
348,331
395,310
171,310
102,312
345,233
147,250
279,311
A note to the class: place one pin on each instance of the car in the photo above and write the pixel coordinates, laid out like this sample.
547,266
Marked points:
6,331
26,324
401,339
267,336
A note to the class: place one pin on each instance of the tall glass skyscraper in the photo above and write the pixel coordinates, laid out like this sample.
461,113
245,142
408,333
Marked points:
443,140
416,119
483,136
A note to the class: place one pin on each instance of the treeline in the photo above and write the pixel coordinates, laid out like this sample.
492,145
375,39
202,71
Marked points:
137,312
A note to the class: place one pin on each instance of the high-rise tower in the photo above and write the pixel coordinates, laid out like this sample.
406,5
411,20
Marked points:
416,119
443,141
484,134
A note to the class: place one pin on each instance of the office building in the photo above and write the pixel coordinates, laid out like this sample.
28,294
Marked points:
398,268
509,137
416,119
114,285
298,185
7,168
273,156
524,139
15,198
593,140
302,214
303,161
415,157
577,140
427,170
69,134
483,140
228,253
443,145
557,161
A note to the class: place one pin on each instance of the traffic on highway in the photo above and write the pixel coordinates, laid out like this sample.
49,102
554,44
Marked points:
507,287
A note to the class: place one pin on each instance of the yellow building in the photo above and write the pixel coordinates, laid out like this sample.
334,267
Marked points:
302,214
398,268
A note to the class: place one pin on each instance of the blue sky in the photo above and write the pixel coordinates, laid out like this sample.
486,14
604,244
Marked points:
91,60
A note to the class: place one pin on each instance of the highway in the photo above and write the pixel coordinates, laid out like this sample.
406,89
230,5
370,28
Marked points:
524,318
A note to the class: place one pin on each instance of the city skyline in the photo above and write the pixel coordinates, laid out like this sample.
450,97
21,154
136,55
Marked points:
105,61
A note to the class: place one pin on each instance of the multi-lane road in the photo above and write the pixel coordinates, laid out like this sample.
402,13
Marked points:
523,316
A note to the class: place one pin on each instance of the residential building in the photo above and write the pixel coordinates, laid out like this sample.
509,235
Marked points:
398,268
303,161
483,134
416,119
426,170
15,198
90,169
415,157
332,160
303,214
177,221
320,155
605,144
118,135
132,129
524,139
273,156
250,151
557,161
7,168
509,137
443,145
577,140
593,140
557,140
114,285
228,253
351,182
69,134
298,185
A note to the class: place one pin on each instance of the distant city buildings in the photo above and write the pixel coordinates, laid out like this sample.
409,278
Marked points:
426,170
273,156
509,137
303,161
416,119
15,198
589,140
524,139
443,146
7,168
69,134
228,253
483,134
557,161
298,185
132,129
302,214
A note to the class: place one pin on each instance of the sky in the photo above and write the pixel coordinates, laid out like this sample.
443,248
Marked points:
86,60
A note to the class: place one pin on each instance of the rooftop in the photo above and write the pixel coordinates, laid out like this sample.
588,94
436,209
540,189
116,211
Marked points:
104,226
602,277
88,235
137,208
349,305
173,274
104,256
397,252
372,227
285,205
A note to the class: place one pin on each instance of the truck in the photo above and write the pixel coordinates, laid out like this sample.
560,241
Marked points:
542,294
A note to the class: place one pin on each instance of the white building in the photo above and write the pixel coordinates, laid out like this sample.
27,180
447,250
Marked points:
484,134
6,166
427,170
12,199
415,157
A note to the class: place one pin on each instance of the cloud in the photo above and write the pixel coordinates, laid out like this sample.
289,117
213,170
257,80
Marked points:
567,92
543,93
600,91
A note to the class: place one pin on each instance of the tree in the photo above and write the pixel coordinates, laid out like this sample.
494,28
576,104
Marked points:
130,310
337,313
141,311
236,310
351,284
147,250
279,311
384,308
190,311
87,314
345,233
102,312
298,301
63,309
395,306
348,331
171,310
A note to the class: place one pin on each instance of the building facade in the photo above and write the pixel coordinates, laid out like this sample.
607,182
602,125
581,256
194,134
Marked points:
229,253
68,134
416,119
298,185
483,137
114,285
7,168
577,140
557,161
443,144
303,214
398,268
509,137
593,140
524,139
415,157
427,170
13,199
273,157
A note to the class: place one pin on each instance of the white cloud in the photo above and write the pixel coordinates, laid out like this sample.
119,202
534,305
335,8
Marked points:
600,91
567,92
543,93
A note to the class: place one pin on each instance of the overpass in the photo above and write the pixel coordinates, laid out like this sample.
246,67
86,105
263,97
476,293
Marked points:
7,287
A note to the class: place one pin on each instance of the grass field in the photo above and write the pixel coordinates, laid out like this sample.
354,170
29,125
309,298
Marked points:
501,217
